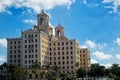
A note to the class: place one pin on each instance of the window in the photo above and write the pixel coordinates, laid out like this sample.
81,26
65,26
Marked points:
71,52
35,40
67,57
63,57
36,50
50,63
58,53
18,42
14,51
54,58
25,41
63,62
71,62
63,67
67,67
54,53
25,51
18,56
14,42
14,56
10,56
62,43
10,47
10,61
50,49
58,62
67,62
54,63
25,36
15,61
18,51
50,58
66,48
58,48
62,48
29,56
25,61
35,35
67,52
25,56
18,46
71,67
32,56
58,58
70,43
66,43
71,48
10,42
14,47
58,43
35,45
11,51
62,53
25,46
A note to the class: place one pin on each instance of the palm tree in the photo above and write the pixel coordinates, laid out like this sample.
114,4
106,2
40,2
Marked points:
34,72
25,73
56,68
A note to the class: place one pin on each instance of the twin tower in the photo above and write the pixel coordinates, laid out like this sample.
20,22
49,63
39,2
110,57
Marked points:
43,24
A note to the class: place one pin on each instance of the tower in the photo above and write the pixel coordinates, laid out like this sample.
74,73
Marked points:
59,31
42,19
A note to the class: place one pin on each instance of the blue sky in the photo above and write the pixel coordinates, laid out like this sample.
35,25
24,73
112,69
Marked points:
94,23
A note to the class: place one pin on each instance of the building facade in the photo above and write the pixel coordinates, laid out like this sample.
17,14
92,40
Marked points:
40,45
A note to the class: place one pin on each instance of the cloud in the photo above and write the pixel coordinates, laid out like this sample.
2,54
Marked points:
115,4
93,61
2,58
102,56
117,41
94,45
29,21
117,56
3,42
90,43
83,46
36,5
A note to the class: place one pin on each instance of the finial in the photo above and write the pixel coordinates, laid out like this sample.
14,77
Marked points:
42,11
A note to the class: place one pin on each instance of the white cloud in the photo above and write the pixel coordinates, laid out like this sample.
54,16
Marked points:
2,58
90,43
83,46
93,61
117,41
115,4
36,5
94,45
101,55
3,42
117,56
29,21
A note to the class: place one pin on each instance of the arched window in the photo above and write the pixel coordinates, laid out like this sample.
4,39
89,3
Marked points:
41,21
58,32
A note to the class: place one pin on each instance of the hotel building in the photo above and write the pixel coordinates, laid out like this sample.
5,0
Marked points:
40,45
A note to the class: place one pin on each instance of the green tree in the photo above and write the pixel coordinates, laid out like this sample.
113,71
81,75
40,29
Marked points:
81,73
63,76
